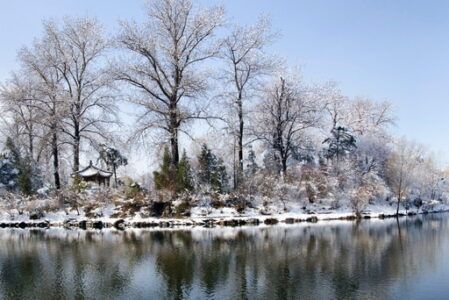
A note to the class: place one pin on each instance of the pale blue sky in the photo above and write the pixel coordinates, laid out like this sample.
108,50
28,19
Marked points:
386,50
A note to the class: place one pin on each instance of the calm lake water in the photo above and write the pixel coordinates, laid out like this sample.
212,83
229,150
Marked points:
374,259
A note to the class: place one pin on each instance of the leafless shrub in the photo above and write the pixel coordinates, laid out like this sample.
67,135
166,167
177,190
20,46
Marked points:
359,199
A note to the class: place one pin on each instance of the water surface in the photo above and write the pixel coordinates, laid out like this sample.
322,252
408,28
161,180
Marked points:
343,260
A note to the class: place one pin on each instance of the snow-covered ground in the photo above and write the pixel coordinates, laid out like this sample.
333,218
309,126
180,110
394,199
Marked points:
208,216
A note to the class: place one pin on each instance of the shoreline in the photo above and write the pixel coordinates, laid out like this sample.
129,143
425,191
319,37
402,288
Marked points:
203,222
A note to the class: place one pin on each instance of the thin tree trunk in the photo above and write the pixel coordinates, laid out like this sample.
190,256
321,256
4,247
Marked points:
234,164
115,175
399,202
174,148
240,142
284,165
76,148
55,154
31,146
31,141
174,135
399,194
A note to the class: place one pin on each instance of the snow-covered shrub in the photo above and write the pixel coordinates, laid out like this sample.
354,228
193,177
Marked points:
429,206
377,187
39,207
141,203
359,199
235,200
93,202
132,189
286,192
315,182
183,209
13,203
104,196
264,185
71,199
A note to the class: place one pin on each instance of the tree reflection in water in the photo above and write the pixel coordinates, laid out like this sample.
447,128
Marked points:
370,259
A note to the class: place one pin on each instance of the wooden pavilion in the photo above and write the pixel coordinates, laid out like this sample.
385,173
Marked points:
94,174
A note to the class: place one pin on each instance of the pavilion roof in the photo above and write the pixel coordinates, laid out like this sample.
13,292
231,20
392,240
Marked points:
92,170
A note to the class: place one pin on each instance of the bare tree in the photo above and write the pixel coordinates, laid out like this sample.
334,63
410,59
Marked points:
401,167
337,105
359,199
363,116
245,64
370,117
371,155
284,115
46,86
431,179
165,55
79,50
20,114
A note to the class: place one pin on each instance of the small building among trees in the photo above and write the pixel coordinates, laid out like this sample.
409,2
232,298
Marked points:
92,174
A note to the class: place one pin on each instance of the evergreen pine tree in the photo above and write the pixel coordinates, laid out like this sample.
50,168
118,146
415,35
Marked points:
17,172
340,143
221,181
113,159
205,165
8,171
251,166
184,178
24,179
212,171
272,161
175,180
164,178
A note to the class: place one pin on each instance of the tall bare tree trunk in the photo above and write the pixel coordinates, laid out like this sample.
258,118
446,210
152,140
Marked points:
240,142
245,63
174,128
399,199
31,145
55,154
174,145
114,168
76,147
284,164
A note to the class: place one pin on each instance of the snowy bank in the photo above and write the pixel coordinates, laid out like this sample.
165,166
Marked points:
199,218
